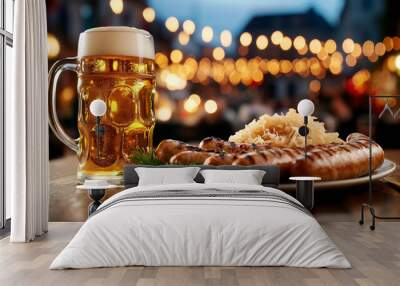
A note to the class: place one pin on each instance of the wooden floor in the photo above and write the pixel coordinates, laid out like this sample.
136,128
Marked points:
375,256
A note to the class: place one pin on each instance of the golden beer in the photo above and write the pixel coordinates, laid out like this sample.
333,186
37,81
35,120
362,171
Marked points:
123,78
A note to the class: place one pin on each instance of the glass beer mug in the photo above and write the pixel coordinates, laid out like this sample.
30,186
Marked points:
115,65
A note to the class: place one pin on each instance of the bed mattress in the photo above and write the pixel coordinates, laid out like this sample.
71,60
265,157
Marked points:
201,225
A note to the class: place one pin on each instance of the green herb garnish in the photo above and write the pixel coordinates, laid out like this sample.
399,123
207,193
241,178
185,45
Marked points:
144,157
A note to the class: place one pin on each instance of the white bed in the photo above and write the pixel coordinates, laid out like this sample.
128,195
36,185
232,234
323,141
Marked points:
247,226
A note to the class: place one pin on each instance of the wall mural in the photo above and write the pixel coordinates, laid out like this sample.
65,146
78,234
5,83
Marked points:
116,121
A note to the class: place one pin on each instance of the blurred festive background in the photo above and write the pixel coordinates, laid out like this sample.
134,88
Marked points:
221,63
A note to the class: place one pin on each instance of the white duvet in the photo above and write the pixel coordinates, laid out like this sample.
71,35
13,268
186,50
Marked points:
200,231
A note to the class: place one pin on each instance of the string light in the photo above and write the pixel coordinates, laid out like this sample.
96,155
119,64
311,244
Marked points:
53,46
262,42
218,53
315,46
117,6
314,86
286,43
380,49
322,55
276,38
368,48
210,106
397,62
225,38
285,66
234,77
172,24
396,43
371,50
164,113
257,76
330,46
299,42
388,42
351,61
161,60
390,63
348,46
207,34
149,14
189,27
273,67
195,98
357,51
191,104
183,38
245,39
303,50
176,56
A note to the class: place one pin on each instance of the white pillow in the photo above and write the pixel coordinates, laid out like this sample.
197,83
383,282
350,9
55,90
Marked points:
166,176
248,177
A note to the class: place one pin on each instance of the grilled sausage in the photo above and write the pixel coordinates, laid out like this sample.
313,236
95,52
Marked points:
340,161
218,145
284,158
190,158
221,159
168,148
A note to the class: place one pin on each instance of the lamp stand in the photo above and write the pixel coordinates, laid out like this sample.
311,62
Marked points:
97,136
303,131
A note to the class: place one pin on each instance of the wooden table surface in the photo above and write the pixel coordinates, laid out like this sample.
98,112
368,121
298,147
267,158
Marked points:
69,204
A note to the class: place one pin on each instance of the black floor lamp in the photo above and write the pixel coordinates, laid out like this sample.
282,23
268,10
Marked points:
98,108
305,109
305,184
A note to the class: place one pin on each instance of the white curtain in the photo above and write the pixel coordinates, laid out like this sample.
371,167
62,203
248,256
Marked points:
27,124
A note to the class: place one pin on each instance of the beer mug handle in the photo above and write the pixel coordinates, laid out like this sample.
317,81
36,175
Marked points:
67,64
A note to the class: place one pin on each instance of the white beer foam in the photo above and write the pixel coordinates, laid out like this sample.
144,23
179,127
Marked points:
116,41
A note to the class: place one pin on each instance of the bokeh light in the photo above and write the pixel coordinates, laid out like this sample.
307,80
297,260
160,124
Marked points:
176,56
388,42
330,46
183,38
348,45
225,38
53,46
245,39
164,113
357,51
207,34
397,62
368,48
172,24
314,86
299,42
276,38
210,106
189,27
380,49
315,46
218,54
161,60
351,61
286,43
262,42
117,6
149,14
192,104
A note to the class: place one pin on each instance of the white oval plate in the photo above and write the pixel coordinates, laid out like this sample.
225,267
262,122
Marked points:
387,168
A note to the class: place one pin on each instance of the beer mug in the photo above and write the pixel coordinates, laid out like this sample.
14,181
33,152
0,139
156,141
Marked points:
115,66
